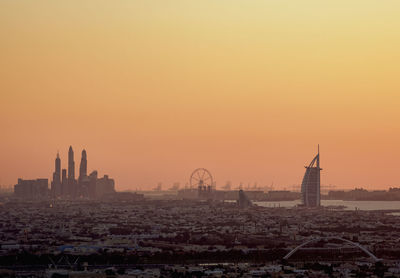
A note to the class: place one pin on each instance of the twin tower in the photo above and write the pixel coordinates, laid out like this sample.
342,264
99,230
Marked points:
85,186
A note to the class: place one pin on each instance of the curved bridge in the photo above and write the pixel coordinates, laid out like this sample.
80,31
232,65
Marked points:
366,251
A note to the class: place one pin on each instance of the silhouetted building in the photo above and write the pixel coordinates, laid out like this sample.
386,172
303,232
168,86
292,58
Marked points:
83,166
72,184
32,189
83,187
56,189
243,201
205,191
64,183
104,186
310,187
83,180
92,185
71,164
96,187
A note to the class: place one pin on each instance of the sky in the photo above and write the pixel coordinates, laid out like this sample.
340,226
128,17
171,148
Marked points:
247,89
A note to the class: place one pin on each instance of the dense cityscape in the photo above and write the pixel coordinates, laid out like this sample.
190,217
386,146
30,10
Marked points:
164,235
199,139
85,228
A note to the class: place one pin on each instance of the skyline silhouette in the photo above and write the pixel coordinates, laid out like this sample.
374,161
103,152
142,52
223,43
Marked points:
182,138
66,174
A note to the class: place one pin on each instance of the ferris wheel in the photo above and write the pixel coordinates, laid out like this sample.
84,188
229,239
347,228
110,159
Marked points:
201,178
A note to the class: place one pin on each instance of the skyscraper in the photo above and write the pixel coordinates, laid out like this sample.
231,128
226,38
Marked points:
310,187
83,180
56,183
64,183
72,184
71,164
57,168
83,166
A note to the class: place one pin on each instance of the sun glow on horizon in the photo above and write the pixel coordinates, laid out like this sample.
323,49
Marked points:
247,89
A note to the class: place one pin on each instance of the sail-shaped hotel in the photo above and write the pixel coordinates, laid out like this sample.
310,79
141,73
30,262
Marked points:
310,187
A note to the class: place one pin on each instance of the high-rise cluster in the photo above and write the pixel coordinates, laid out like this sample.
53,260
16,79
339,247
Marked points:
86,186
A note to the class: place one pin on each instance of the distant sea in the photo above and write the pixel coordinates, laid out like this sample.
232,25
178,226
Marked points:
349,205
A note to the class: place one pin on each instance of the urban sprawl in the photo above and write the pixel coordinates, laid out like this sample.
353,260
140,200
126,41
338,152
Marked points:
84,228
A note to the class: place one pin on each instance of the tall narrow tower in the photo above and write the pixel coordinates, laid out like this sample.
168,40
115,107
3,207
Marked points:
57,167
56,183
71,164
83,166
311,185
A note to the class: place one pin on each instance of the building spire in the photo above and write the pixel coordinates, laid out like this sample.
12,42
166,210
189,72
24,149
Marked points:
71,164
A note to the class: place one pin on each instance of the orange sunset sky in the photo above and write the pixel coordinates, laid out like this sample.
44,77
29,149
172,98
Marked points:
247,89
